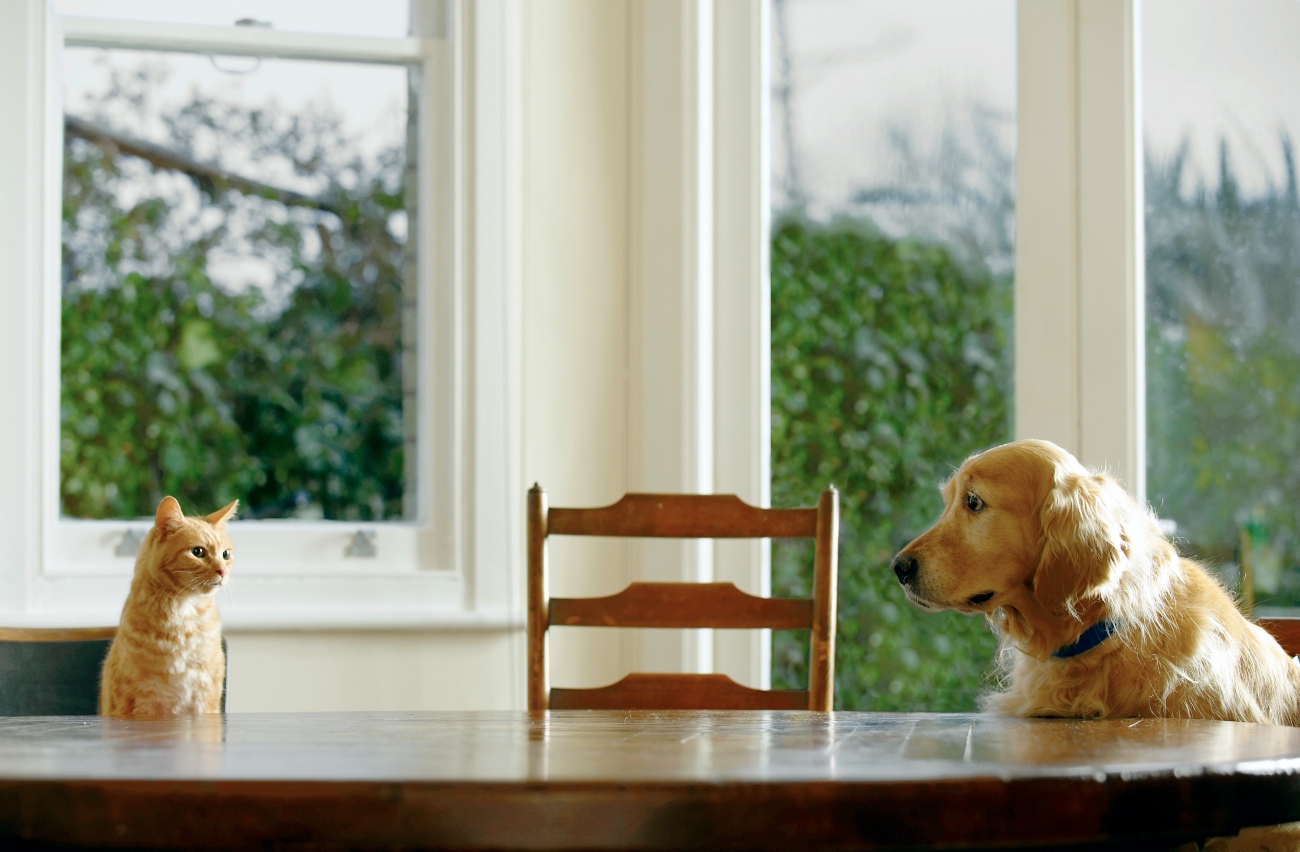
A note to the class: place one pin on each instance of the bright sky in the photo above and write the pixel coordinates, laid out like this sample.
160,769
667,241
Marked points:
864,68
372,99
1223,69
1211,69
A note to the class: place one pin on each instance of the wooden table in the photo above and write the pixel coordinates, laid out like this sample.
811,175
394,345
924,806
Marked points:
619,781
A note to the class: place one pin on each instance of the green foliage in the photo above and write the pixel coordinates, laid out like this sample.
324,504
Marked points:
1223,354
288,397
137,420
891,363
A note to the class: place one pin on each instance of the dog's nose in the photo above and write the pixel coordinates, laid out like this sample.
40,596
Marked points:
905,567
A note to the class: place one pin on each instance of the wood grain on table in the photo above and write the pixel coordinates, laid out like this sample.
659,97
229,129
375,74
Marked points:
637,780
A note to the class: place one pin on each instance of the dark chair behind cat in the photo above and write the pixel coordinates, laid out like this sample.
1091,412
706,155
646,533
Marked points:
55,672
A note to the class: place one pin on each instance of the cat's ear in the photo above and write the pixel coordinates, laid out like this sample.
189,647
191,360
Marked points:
219,517
169,515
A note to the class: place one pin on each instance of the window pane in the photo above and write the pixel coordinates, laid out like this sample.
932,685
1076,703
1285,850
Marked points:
234,261
344,17
1223,285
893,149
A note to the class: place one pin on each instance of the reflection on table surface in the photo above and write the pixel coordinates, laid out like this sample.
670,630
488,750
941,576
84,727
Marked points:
592,746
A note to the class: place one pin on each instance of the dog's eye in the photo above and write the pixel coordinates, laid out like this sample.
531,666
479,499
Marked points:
199,552
973,502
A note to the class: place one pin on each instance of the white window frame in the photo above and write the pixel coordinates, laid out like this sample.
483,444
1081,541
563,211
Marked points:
449,567
1080,289
699,305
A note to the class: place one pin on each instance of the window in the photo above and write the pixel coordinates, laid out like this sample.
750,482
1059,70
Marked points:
893,133
252,284
1223,288
239,288
234,317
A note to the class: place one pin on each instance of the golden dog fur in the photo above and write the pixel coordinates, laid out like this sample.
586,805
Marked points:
1061,548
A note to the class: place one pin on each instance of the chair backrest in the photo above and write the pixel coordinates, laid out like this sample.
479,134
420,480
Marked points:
55,672
684,605
1285,630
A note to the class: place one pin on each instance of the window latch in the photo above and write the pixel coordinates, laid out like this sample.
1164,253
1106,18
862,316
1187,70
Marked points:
362,545
130,544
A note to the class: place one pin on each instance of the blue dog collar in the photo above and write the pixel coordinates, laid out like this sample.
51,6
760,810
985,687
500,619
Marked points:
1091,638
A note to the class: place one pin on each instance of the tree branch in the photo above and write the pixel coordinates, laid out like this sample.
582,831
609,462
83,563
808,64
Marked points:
206,174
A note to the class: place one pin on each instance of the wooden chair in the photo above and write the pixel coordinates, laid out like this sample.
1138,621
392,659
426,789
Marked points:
684,605
1285,630
55,672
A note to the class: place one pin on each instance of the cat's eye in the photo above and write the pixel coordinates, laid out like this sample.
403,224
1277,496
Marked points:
973,502
199,552
225,554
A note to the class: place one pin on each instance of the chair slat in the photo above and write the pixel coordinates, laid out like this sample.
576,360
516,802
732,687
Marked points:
538,670
684,605
684,516
55,634
678,692
821,647
718,605
1285,630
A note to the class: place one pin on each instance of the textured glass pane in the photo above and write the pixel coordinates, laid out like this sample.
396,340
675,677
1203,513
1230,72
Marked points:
1223,285
893,134
343,17
234,258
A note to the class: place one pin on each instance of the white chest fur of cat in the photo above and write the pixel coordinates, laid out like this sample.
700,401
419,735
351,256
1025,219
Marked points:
166,658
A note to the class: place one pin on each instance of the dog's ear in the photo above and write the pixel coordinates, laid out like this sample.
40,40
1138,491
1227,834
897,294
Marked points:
1082,522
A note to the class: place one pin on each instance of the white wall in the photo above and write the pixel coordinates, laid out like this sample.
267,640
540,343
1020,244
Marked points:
576,300
575,290
365,670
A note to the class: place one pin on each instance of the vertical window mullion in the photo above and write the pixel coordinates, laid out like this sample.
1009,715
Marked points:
1079,266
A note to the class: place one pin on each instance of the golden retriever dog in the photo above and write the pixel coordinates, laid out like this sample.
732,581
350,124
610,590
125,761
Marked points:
1097,613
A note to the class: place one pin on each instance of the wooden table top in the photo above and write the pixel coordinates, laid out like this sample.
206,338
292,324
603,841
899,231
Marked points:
618,780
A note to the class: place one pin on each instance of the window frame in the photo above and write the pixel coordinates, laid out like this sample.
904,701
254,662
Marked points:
451,565
1080,373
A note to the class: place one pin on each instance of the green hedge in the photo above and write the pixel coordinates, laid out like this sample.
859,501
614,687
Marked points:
891,362
288,398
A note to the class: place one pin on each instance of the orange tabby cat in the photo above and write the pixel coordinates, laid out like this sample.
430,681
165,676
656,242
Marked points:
167,656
